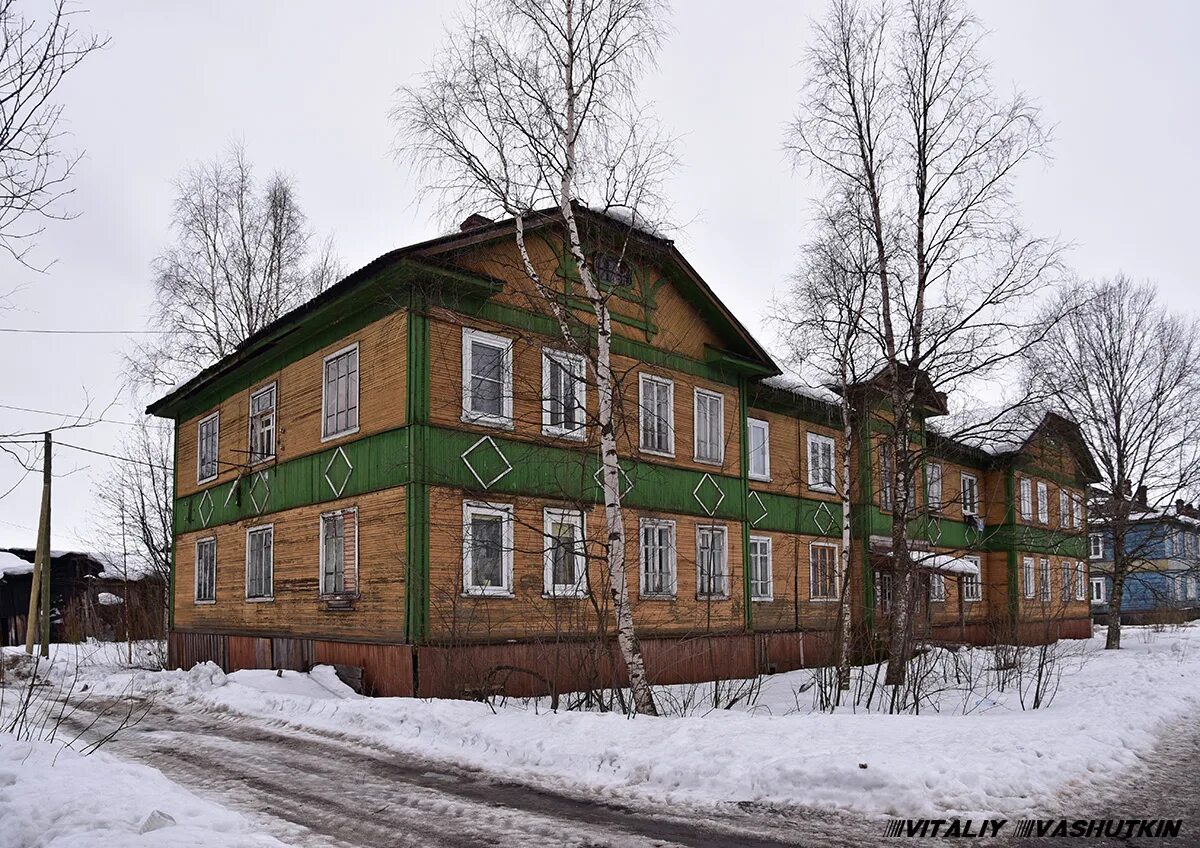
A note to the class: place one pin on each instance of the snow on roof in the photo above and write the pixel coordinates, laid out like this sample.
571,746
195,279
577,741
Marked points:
12,564
796,385
992,428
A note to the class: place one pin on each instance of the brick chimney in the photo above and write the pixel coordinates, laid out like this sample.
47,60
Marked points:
474,222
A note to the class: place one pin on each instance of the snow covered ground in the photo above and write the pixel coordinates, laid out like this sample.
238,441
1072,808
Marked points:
995,759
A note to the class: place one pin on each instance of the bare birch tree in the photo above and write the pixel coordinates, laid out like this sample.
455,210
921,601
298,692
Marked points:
243,256
827,318
900,112
530,110
1128,371
36,55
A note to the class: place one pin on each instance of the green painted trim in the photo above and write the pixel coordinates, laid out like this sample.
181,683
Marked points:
744,495
417,528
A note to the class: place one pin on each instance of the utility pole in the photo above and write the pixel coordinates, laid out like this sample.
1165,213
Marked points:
39,589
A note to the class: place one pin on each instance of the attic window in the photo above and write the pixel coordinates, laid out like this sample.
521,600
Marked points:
612,270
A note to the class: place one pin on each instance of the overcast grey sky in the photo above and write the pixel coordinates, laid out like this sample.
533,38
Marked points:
307,86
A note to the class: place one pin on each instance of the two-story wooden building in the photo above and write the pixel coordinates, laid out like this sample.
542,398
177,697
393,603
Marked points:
402,475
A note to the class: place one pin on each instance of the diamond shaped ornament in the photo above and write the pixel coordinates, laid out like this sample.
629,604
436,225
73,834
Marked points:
824,519
338,471
935,531
626,483
757,509
708,494
206,508
260,492
486,462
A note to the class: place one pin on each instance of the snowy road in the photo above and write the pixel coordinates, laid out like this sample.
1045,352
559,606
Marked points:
311,789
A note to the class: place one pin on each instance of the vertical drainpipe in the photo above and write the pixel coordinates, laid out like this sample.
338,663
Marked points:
1010,520
744,498
416,594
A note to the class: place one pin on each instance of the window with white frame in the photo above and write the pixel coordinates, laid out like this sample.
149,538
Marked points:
883,590
339,552
712,562
564,394
823,571
206,571
1096,545
1077,511
933,486
1064,508
1043,503
487,548
937,588
761,582
564,557
340,397
1067,572
1028,586
260,563
262,424
1026,499
973,583
758,433
1099,590
887,477
207,435
1081,585
709,426
970,494
656,398
657,544
1044,580
487,378
820,462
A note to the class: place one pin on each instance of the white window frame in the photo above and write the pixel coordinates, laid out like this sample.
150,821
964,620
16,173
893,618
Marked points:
764,426
1101,596
755,594
820,441
505,420
969,506
698,393
1028,578
1095,540
578,589
1066,571
273,388
1076,510
643,379
505,513
201,477
269,529
579,370
1043,502
1026,499
672,561
937,588
1045,588
327,436
196,594
1064,507
1081,587
346,566
721,592
837,576
933,502
973,583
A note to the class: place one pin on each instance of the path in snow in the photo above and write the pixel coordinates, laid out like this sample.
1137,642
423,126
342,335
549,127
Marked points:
1164,785
314,789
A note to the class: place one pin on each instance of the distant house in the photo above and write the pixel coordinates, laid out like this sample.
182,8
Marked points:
1166,543
91,595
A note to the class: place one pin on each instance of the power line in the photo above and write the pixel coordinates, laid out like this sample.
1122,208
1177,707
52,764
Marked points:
78,418
113,456
46,332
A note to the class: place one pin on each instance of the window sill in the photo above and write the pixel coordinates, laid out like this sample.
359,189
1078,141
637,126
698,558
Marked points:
262,460
577,435
824,489
335,436
656,596
769,600
264,600
652,452
202,481
716,462
758,479
824,600
207,603
487,421
723,597
572,595
480,593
